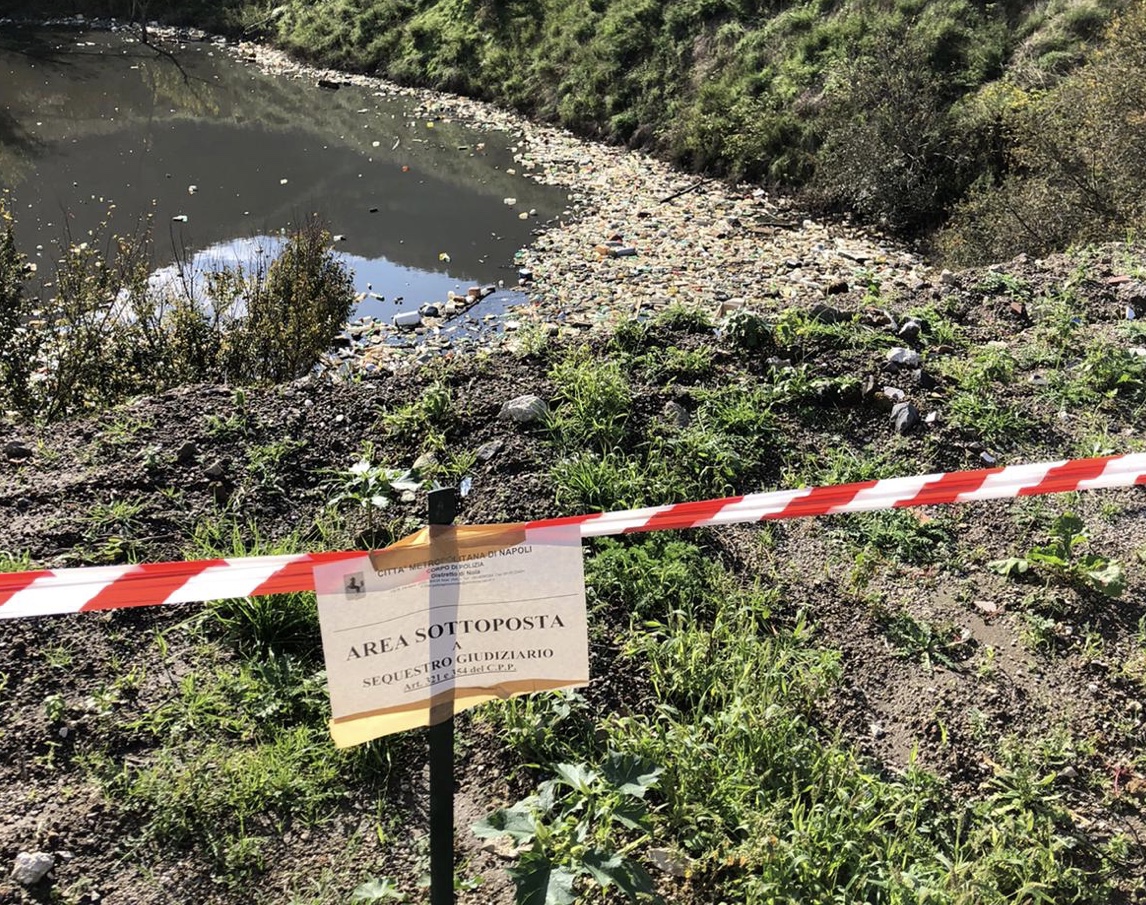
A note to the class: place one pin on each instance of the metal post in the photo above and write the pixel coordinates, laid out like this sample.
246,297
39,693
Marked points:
443,510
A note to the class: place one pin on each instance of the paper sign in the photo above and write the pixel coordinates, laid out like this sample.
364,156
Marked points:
447,619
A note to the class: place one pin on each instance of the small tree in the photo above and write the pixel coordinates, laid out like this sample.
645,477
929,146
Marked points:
295,308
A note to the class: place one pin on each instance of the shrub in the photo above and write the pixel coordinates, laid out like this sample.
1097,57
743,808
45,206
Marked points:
892,151
18,342
107,333
295,308
748,330
99,337
1074,167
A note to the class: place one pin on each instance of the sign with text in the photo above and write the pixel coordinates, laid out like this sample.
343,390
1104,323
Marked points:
449,618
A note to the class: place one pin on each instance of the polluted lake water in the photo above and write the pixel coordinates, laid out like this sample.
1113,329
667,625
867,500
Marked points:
96,127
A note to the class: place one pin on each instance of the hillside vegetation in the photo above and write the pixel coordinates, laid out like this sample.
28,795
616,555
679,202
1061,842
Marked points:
939,704
992,128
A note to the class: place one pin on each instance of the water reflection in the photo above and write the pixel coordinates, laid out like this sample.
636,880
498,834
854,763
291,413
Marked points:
409,287
217,152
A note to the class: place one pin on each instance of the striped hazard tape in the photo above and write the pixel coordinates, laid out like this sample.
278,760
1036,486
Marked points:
51,592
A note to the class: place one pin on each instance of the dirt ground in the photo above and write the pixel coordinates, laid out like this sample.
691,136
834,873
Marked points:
1003,670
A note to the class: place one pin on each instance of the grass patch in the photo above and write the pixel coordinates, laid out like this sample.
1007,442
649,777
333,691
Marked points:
905,535
427,418
593,403
242,753
278,624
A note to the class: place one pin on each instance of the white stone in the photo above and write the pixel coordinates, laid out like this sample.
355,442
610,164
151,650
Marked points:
906,358
524,409
32,867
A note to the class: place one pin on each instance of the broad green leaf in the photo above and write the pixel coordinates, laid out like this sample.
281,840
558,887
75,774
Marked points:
1051,556
624,873
540,882
1009,567
631,774
631,813
382,890
579,776
1068,526
601,867
1107,577
514,822
546,797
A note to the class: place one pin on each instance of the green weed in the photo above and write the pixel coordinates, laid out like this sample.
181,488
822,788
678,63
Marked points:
576,828
229,798
266,462
1061,561
123,431
271,624
428,417
231,427
600,482
997,282
981,414
234,426
985,365
941,330
1134,666
112,532
678,318
898,533
926,642
742,410
676,365
748,330
593,403
641,579
15,562
801,332
118,515
377,890
547,728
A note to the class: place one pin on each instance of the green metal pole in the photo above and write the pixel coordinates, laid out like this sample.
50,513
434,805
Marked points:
443,510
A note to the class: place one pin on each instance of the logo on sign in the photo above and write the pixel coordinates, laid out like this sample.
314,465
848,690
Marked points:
355,585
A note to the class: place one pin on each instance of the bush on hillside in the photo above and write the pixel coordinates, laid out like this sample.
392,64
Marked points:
893,150
1075,171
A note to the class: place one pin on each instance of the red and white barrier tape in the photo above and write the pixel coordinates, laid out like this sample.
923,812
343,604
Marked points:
44,593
